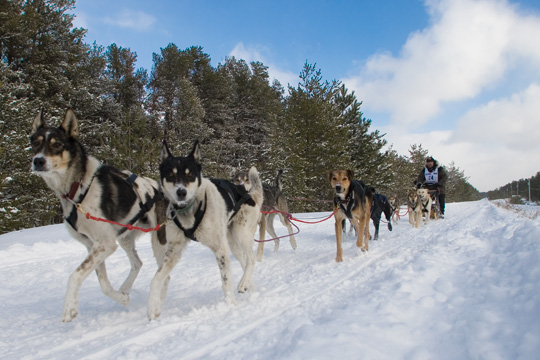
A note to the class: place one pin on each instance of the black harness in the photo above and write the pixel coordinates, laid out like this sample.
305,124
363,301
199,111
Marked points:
71,219
199,214
234,195
347,205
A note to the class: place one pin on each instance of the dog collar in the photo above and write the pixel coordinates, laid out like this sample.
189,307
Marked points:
183,210
72,191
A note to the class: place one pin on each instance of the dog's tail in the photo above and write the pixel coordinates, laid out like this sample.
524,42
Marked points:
256,191
277,180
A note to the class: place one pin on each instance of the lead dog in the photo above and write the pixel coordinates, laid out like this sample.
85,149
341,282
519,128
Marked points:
274,203
80,180
352,200
214,212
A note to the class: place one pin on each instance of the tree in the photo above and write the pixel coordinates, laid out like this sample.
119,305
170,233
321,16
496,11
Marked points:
364,149
312,133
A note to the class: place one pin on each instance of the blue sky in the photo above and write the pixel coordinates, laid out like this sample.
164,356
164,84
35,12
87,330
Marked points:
460,77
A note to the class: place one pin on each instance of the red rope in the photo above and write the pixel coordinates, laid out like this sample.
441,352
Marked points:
128,226
291,218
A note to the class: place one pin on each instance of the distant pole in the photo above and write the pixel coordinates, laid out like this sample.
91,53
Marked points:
529,180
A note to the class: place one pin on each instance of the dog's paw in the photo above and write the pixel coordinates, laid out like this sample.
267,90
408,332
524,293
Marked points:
339,259
154,311
69,315
389,226
124,299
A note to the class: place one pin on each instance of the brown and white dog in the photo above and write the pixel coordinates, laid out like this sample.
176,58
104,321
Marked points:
275,203
352,200
415,209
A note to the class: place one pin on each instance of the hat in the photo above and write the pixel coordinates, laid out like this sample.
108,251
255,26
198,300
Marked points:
430,158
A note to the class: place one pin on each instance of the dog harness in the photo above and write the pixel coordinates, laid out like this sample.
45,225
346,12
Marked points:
71,219
199,214
350,201
233,195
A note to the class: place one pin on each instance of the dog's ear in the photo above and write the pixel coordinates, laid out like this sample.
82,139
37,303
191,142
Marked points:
165,152
70,125
196,152
350,174
38,122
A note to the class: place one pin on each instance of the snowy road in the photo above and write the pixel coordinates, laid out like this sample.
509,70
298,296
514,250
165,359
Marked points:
466,287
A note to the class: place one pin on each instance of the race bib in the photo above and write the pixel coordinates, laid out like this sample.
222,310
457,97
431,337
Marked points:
431,177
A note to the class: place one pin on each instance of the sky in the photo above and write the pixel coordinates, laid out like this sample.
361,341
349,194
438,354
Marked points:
459,77
427,293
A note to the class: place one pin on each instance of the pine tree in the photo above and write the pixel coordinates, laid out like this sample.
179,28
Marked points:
364,149
312,131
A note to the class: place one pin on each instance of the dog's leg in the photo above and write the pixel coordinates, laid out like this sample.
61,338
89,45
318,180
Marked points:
128,244
376,223
287,223
241,245
339,234
159,252
262,235
221,251
366,227
272,231
94,261
161,278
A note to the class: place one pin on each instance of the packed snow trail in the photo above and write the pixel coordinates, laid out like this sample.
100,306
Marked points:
465,287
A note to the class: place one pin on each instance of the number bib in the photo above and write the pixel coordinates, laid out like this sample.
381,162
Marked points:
431,177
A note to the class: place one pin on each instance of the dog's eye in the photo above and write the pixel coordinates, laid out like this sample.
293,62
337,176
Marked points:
57,146
36,143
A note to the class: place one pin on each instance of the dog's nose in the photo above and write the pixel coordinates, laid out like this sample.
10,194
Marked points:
181,193
39,163
338,188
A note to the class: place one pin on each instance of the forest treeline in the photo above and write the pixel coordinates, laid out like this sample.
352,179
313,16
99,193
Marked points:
240,116
528,189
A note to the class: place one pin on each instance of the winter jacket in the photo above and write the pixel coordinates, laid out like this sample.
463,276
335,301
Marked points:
442,177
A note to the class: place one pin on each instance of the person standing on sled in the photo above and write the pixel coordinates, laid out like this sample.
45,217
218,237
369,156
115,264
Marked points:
433,177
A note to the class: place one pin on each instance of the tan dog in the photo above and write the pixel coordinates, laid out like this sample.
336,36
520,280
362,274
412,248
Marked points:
425,202
394,205
415,210
352,200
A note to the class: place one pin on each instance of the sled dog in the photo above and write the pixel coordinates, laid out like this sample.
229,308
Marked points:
352,200
425,202
394,206
214,212
274,204
83,184
415,210
380,205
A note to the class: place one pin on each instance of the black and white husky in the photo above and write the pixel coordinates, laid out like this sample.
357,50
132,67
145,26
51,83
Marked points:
214,212
83,184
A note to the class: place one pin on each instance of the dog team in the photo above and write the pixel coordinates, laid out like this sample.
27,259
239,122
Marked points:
221,214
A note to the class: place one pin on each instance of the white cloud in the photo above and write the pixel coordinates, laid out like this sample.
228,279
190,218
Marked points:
136,20
250,54
471,49
468,48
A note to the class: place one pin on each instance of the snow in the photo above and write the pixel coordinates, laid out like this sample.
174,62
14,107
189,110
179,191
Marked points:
466,287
